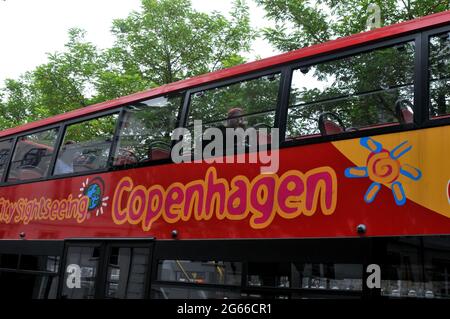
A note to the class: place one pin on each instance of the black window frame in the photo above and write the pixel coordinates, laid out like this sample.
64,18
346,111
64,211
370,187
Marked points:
425,75
105,245
345,53
13,150
8,159
65,125
265,250
123,111
33,248
231,81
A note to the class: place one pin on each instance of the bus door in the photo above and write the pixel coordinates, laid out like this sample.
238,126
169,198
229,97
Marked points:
29,269
111,269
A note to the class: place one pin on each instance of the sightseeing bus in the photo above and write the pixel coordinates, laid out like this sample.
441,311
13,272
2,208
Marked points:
94,205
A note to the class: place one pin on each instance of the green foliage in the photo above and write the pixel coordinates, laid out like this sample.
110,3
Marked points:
254,96
168,40
165,41
301,23
362,90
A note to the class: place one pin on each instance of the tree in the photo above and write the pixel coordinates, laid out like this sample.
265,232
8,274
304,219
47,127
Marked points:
301,23
361,90
168,40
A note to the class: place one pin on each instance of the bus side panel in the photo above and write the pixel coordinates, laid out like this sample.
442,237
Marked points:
394,184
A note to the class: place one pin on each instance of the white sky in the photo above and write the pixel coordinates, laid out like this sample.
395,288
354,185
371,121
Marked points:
31,28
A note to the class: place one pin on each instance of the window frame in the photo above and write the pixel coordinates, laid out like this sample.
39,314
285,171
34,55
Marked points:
16,139
334,250
346,53
105,245
111,166
9,159
34,248
424,89
230,81
66,124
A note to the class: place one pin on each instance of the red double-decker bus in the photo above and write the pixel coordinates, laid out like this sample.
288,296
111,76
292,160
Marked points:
93,206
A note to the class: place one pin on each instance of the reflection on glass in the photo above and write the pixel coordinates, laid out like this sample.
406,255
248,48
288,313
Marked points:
86,258
416,267
86,146
32,156
439,72
307,276
146,131
208,272
126,273
41,263
235,100
5,149
361,91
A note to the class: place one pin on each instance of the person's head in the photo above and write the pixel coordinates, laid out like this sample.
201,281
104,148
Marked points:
234,118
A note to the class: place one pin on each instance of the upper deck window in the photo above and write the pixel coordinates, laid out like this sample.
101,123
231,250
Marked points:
256,99
5,149
439,70
145,132
32,155
86,145
362,91
246,104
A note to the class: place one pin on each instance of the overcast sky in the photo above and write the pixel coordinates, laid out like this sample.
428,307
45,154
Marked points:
31,28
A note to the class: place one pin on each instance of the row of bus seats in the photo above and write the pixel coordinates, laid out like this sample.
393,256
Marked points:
157,150
330,123
34,158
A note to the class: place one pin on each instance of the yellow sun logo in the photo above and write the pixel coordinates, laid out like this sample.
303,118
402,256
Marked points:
384,167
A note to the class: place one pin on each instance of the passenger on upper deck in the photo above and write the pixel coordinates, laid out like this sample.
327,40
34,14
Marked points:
64,163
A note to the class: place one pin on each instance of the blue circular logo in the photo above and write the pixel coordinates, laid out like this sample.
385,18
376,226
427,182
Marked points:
94,193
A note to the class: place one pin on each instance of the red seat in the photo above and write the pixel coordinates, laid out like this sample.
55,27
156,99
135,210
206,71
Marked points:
331,127
408,116
157,153
29,173
124,160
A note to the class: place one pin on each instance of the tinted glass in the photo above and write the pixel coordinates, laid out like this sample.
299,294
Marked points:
171,292
32,155
363,91
247,104
207,272
127,268
439,70
9,261
5,149
306,275
22,286
40,263
86,146
146,130
82,263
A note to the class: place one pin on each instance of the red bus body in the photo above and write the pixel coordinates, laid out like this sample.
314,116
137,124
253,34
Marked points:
40,209
340,202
